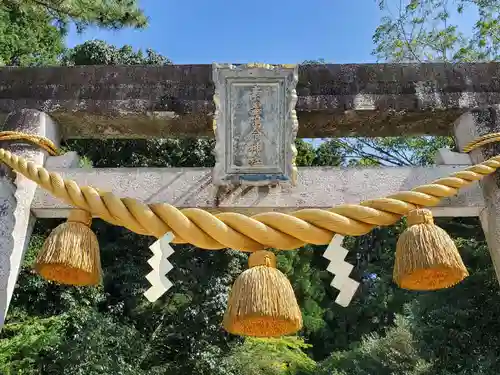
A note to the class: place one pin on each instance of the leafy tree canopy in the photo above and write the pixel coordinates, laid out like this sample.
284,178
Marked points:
430,30
32,31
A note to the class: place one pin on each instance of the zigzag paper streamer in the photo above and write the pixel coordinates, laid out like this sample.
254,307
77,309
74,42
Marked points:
161,266
341,270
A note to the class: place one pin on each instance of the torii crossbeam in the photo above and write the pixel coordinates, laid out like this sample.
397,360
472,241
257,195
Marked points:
329,100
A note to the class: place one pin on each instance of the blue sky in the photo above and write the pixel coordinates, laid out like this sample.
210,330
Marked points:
201,31
198,31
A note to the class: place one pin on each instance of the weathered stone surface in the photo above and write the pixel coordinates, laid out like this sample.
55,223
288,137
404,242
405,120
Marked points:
16,196
468,128
445,156
255,124
316,188
176,100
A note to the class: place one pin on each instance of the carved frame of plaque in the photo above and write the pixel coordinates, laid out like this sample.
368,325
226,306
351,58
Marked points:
255,124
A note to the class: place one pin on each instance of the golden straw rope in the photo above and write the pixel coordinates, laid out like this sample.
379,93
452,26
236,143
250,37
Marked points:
37,140
237,231
481,141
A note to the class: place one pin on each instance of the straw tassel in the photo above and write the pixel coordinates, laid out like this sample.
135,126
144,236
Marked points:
426,256
262,302
70,255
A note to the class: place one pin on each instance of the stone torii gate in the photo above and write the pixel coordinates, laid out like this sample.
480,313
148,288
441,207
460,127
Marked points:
183,100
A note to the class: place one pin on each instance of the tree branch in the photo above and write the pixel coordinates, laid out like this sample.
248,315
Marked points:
378,149
367,155
51,7
403,32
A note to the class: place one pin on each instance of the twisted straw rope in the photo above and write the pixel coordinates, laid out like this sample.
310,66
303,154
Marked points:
42,142
237,231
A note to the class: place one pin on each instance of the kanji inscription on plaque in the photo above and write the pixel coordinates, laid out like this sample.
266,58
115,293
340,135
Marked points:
255,123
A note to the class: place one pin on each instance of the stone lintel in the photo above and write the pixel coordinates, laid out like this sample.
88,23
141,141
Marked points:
176,100
316,188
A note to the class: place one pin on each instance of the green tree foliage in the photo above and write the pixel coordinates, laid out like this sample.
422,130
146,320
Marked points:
393,353
458,330
314,62
113,14
329,153
23,343
32,31
390,151
304,268
281,356
28,37
98,52
305,153
452,331
430,30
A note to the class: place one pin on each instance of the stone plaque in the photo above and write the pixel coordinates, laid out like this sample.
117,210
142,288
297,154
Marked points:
255,124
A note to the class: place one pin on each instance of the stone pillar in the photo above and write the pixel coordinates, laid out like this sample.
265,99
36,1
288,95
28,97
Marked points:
467,128
16,195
